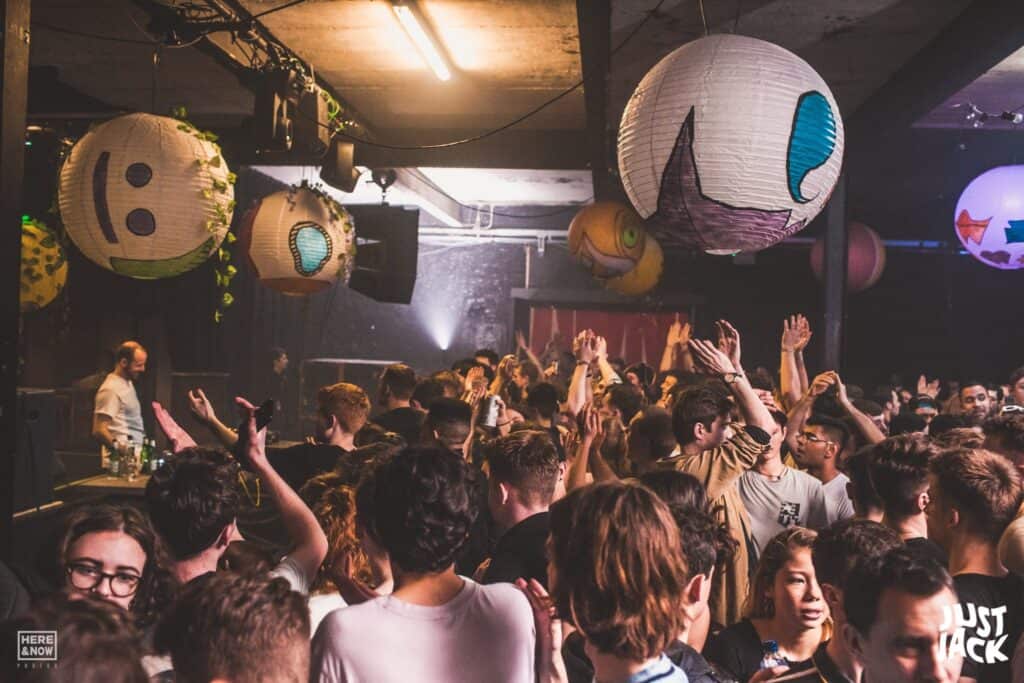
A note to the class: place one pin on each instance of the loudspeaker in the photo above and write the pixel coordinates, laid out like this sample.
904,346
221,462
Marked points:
33,466
387,246
312,136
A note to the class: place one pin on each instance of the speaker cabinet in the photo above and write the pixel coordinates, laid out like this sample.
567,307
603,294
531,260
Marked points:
33,467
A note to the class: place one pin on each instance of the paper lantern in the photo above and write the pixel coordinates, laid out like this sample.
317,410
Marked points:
865,257
299,241
989,217
730,144
146,196
610,240
44,268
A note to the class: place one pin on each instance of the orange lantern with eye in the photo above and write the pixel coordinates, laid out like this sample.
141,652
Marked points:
610,240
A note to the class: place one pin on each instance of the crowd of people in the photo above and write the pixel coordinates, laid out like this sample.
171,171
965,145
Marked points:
565,518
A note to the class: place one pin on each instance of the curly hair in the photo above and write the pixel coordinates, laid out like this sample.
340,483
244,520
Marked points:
192,498
237,627
422,508
620,572
157,584
335,509
899,472
777,552
97,642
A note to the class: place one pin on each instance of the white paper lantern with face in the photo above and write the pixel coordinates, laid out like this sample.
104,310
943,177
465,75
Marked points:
299,242
145,196
730,143
990,217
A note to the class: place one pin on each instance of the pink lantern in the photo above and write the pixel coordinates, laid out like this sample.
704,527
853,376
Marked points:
865,260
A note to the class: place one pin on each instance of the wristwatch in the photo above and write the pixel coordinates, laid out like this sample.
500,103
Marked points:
732,377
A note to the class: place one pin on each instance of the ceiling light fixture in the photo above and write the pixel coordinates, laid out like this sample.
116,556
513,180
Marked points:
426,44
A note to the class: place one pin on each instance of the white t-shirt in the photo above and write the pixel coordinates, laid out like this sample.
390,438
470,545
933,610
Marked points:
484,634
289,570
794,499
839,504
320,606
116,399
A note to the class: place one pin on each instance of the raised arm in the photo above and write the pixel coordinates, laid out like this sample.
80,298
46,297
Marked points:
503,375
804,338
716,362
799,413
789,372
865,425
583,348
608,374
530,355
203,410
310,543
588,454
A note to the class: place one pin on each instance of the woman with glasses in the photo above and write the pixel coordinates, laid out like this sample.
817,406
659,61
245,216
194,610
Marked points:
112,552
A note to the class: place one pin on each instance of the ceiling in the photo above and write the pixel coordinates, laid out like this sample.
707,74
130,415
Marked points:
508,57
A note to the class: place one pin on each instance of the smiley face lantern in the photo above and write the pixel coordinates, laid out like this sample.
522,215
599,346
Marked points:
611,241
299,241
146,196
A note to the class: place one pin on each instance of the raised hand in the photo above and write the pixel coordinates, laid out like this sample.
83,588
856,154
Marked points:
178,437
591,424
201,406
710,358
822,382
804,333
506,367
601,347
256,451
474,378
729,341
520,340
584,347
926,388
790,334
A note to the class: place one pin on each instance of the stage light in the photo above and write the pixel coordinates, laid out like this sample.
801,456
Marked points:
422,40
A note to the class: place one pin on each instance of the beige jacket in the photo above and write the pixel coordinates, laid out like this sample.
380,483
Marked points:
719,469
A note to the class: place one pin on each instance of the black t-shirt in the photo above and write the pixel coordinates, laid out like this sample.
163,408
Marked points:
738,650
299,464
823,669
406,422
927,548
989,620
697,669
520,552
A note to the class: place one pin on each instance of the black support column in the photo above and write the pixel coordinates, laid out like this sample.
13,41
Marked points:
13,102
836,248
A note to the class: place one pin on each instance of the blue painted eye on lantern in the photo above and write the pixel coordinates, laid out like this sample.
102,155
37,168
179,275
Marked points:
812,141
311,248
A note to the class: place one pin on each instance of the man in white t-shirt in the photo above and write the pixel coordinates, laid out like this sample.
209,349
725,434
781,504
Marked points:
818,447
777,496
117,413
437,625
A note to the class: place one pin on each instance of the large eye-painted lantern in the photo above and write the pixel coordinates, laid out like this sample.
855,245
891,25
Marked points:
610,240
989,217
146,196
729,144
299,241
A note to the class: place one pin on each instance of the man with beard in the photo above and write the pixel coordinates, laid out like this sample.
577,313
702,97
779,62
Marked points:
975,401
118,414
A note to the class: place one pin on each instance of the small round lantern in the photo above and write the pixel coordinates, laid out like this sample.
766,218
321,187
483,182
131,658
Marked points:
730,144
989,217
610,240
146,196
44,268
299,241
865,257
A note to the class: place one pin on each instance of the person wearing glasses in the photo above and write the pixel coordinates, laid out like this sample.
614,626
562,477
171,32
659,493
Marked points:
818,446
113,553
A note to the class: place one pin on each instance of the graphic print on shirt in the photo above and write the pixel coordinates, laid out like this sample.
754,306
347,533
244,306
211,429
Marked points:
789,514
975,632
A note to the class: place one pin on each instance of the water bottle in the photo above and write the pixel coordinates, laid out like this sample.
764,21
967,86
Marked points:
771,658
